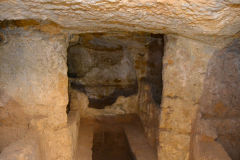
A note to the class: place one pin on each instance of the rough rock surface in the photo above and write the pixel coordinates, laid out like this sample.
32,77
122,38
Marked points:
208,149
123,105
24,149
33,84
200,104
192,18
149,112
185,66
219,104
101,66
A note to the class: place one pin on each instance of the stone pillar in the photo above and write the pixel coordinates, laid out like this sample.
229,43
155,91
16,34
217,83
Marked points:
184,69
34,96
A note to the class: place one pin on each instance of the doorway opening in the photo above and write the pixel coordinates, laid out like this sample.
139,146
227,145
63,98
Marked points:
111,75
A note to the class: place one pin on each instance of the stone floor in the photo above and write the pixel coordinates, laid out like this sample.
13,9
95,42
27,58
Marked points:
113,138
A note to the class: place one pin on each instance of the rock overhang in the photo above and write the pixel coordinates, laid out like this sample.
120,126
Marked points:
189,18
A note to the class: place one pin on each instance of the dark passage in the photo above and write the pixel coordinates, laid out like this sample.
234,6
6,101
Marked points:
111,145
154,63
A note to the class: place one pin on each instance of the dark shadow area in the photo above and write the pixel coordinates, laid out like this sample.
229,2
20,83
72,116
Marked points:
154,63
146,101
111,145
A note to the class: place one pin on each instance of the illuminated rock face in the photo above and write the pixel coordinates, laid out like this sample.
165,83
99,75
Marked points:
34,95
198,108
189,108
189,18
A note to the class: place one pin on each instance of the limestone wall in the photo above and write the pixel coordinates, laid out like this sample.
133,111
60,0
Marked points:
184,68
218,118
101,66
198,116
189,68
33,99
107,68
193,18
200,104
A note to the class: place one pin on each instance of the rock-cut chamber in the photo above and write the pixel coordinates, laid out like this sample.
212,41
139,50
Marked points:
116,77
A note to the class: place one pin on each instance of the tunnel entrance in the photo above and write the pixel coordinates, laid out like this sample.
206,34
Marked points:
111,75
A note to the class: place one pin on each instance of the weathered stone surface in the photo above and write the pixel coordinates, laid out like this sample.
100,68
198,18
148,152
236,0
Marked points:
123,105
33,83
184,69
200,79
14,122
204,128
207,149
173,146
199,99
220,86
79,100
192,18
131,58
219,104
149,112
101,66
33,64
24,149
185,64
